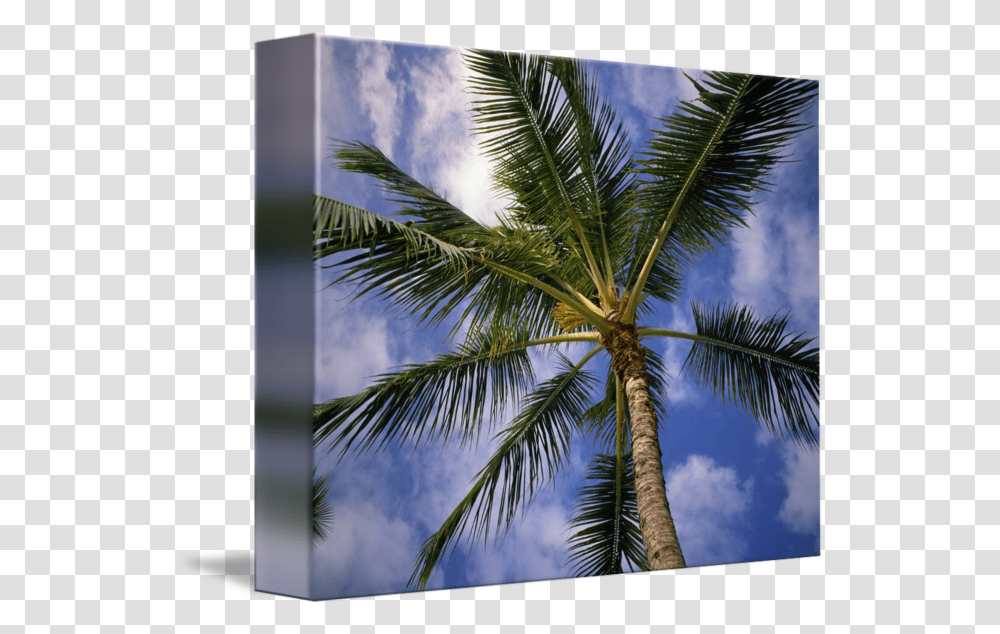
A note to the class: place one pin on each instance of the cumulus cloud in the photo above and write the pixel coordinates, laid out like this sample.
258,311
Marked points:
440,478
442,148
534,549
680,389
654,90
709,505
763,437
352,106
405,497
800,510
352,345
351,563
534,546
776,258
378,95
776,267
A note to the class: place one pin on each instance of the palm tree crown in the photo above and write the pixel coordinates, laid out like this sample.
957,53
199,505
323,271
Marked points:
590,239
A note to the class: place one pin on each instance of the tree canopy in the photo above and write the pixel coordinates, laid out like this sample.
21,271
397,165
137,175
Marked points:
591,237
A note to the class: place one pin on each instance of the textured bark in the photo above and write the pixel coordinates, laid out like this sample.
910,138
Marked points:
629,362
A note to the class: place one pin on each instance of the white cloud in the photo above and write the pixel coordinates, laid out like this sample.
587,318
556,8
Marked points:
800,510
655,89
440,478
776,259
378,95
443,150
354,102
350,563
431,482
680,389
652,90
534,549
385,507
802,280
351,345
776,267
763,437
709,505
755,267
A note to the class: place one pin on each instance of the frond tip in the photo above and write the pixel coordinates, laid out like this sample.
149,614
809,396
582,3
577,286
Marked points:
758,366
703,167
532,449
447,396
322,509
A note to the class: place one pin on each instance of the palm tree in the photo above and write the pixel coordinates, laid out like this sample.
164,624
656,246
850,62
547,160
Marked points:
590,239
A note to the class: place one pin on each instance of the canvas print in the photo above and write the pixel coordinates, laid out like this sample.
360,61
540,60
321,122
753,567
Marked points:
566,318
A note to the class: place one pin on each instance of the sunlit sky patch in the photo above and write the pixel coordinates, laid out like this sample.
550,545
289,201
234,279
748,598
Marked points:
736,494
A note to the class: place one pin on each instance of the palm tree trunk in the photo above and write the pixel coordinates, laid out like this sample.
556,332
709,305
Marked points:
629,362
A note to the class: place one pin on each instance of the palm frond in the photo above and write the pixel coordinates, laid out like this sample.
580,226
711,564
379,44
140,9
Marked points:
503,304
430,277
606,191
528,128
608,520
339,227
444,397
438,216
758,366
532,448
506,302
600,419
431,265
420,272
665,281
322,509
708,159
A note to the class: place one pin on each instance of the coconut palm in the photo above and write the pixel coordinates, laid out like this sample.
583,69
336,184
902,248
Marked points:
591,239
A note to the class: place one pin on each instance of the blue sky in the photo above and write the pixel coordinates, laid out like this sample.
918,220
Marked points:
735,493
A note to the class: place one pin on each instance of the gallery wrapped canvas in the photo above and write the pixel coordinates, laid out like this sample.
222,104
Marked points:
524,317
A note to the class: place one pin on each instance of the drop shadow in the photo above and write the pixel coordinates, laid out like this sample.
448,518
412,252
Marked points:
235,565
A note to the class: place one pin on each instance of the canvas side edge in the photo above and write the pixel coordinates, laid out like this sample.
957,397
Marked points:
285,167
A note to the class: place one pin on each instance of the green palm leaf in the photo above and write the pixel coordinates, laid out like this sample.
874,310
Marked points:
339,227
412,265
503,302
430,265
607,188
527,132
403,262
756,365
665,281
446,396
585,226
532,448
530,131
322,509
608,520
438,217
706,162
